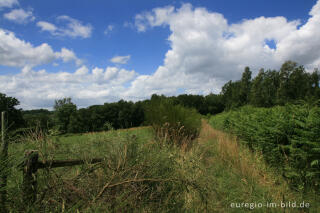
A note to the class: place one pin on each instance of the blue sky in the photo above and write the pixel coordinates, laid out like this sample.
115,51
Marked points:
102,51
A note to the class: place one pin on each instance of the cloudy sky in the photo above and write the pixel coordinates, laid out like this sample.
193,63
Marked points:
102,51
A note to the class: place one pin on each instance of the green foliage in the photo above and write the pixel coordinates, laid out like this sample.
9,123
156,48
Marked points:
14,115
264,88
140,175
287,136
136,175
173,123
245,86
213,103
38,118
63,110
121,114
269,88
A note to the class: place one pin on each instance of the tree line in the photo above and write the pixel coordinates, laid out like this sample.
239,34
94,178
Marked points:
269,88
66,118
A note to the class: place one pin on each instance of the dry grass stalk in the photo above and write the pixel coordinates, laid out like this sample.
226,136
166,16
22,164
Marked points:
249,165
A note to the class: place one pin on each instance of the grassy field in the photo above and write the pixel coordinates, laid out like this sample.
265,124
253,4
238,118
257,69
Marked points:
77,146
139,174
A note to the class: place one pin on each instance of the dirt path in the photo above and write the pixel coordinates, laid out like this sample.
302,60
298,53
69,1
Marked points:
209,133
250,166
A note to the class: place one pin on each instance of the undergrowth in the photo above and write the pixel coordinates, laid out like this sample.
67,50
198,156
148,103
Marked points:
135,176
139,174
173,124
287,136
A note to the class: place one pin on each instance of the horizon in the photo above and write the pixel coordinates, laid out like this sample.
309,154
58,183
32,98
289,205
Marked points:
106,51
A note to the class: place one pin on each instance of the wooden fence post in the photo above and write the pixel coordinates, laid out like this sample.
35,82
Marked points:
3,165
29,177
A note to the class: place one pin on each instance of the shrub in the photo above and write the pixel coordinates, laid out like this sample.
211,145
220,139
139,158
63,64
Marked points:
173,123
287,136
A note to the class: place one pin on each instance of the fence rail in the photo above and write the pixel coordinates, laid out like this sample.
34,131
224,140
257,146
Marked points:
31,165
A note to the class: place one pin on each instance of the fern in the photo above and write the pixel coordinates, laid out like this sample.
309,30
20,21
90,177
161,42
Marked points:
288,137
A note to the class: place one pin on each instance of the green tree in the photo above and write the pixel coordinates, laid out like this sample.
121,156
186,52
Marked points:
264,88
314,80
8,104
193,101
284,94
38,118
270,85
256,93
63,109
214,104
76,125
245,86
125,114
226,93
231,94
299,83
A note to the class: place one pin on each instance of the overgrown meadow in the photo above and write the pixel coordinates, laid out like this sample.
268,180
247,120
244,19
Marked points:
256,143
150,169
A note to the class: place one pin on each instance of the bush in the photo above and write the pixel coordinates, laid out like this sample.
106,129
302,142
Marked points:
173,123
288,136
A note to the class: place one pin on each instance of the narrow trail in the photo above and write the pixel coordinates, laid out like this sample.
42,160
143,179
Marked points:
250,166
209,133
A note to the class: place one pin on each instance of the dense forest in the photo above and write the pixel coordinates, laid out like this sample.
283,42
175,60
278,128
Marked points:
269,88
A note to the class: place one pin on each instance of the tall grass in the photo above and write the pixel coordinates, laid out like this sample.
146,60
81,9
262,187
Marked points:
139,174
238,175
136,175
174,124
288,137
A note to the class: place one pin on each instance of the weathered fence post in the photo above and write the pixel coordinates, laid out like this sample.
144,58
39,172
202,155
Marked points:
29,177
3,165
31,166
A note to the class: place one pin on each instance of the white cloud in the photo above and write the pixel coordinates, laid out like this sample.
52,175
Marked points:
82,71
109,29
120,59
157,17
8,3
84,86
68,55
46,26
18,53
75,28
19,16
70,27
206,51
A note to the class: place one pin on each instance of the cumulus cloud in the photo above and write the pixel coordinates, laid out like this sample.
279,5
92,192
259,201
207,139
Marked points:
67,55
19,16
120,59
157,17
109,29
19,53
8,3
206,51
84,86
70,27
46,26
